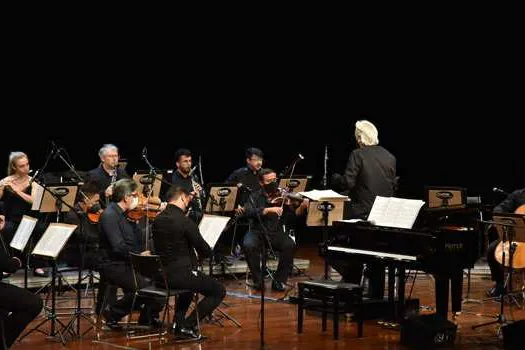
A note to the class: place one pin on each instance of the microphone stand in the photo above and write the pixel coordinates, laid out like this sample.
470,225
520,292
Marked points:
153,174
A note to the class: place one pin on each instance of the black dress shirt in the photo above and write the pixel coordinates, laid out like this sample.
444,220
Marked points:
103,179
14,206
175,237
197,202
370,172
512,202
248,178
118,235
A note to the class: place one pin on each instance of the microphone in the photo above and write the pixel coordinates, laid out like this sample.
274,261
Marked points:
499,190
144,152
299,157
242,186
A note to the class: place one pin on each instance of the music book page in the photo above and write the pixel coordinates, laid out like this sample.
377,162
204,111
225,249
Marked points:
54,239
37,193
23,232
395,212
321,195
211,227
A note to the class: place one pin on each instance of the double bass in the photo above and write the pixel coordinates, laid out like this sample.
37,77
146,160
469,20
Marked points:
517,249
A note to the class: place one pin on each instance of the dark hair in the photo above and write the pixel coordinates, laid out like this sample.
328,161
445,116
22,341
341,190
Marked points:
265,171
174,192
182,152
252,151
123,188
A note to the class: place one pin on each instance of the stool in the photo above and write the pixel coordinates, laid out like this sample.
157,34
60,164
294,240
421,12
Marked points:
330,297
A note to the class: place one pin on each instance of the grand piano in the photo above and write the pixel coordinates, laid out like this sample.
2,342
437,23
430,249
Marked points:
442,250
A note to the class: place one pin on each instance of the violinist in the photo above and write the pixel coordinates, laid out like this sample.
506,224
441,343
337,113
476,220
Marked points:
249,174
267,228
107,173
120,236
513,203
184,177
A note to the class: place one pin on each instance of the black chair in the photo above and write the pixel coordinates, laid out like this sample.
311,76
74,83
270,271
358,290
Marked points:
330,297
151,267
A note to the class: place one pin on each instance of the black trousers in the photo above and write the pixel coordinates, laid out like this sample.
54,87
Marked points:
280,242
24,307
183,277
351,271
120,274
496,269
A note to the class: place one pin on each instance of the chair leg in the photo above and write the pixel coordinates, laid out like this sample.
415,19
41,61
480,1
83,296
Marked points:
300,316
336,317
197,314
323,323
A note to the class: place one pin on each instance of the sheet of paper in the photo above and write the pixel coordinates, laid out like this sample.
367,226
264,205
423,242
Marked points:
37,193
395,212
23,232
54,239
319,195
211,227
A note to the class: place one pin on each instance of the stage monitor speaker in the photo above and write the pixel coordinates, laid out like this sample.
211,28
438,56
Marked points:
514,335
427,332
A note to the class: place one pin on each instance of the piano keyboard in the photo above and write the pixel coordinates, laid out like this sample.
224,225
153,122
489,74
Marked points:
372,253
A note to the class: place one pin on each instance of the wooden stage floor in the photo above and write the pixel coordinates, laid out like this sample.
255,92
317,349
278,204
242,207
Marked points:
281,321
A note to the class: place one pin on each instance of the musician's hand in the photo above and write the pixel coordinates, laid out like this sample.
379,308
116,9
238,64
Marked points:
109,191
146,253
275,210
239,211
163,206
305,203
2,222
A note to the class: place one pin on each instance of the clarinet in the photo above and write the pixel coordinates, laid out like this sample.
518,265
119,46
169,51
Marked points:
113,180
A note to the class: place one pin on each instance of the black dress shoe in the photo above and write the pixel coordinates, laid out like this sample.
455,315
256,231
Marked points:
152,322
278,286
185,333
111,320
42,273
496,291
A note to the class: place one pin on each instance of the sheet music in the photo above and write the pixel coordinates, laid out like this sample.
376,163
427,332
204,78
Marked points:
54,239
37,193
320,195
23,232
395,212
211,227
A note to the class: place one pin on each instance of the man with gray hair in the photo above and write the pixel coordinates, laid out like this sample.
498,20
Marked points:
107,173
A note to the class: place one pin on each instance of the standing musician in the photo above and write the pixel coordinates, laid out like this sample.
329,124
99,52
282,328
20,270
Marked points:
267,228
185,178
176,239
15,192
370,172
107,173
120,236
20,305
513,203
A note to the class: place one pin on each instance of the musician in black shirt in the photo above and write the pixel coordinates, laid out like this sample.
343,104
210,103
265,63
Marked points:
370,172
249,174
184,177
514,202
267,228
120,236
107,173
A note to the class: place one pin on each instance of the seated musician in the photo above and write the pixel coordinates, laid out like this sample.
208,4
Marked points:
267,228
120,236
82,248
370,172
176,238
19,304
513,203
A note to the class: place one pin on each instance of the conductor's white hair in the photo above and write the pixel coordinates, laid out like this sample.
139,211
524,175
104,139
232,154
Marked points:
366,133
107,147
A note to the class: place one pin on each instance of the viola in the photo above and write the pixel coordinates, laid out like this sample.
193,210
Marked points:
94,218
518,249
146,207
282,197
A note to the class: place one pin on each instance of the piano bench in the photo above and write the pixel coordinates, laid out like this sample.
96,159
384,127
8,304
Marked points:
330,297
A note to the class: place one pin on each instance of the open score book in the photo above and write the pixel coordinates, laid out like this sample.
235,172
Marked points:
395,212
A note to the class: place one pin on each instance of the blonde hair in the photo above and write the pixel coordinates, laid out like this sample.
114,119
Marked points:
13,157
366,133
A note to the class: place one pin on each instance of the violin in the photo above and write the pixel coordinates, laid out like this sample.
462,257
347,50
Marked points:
94,218
282,197
518,249
149,208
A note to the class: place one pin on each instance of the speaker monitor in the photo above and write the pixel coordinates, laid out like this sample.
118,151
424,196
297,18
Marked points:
428,331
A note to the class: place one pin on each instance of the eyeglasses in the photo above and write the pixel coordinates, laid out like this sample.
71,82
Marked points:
133,194
256,159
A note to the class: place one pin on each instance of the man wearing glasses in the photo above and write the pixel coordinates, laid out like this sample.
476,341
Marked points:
248,175
118,237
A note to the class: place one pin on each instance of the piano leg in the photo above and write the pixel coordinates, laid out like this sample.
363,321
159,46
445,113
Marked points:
401,294
456,290
442,287
376,280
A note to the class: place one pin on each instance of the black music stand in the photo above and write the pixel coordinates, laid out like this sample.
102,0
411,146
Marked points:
222,198
511,229
21,237
50,246
295,184
440,198
323,212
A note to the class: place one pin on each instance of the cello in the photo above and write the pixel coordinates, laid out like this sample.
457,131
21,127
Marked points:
518,249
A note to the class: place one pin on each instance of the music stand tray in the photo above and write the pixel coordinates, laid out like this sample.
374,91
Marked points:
145,178
222,198
445,198
46,199
295,184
